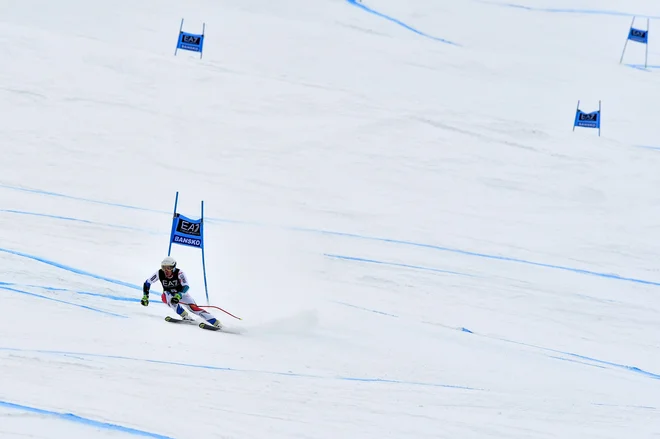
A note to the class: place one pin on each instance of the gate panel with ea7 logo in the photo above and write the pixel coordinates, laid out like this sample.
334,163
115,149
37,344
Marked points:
587,120
638,36
190,42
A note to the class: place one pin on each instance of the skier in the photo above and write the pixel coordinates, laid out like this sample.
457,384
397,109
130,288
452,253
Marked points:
175,290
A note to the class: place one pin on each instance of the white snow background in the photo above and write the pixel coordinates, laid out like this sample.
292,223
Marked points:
396,204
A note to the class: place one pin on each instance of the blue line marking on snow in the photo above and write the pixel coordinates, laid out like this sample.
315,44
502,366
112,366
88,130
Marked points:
71,269
477,254
637,67
617,365
574,357
380,380
87,293
71,197
576,361
84,293
81,420
400,23
567,10
354,236
655,148
109,296
460,328
393,264
60,301
66,218
229,369
633,369
641,67
364,309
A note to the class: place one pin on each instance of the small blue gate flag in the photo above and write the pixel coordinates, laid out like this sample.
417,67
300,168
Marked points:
186,231
639,35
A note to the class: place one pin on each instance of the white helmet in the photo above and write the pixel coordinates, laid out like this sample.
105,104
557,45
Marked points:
168,262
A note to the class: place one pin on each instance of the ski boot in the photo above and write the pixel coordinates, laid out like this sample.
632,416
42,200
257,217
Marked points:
186,317
216,323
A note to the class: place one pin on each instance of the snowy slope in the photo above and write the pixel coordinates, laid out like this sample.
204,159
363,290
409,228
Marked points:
418,243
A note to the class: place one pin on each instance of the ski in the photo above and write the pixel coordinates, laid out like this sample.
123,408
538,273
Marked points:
224,329
209,327
173,320
202,325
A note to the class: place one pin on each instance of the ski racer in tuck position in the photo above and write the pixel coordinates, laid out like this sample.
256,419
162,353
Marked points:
175,290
